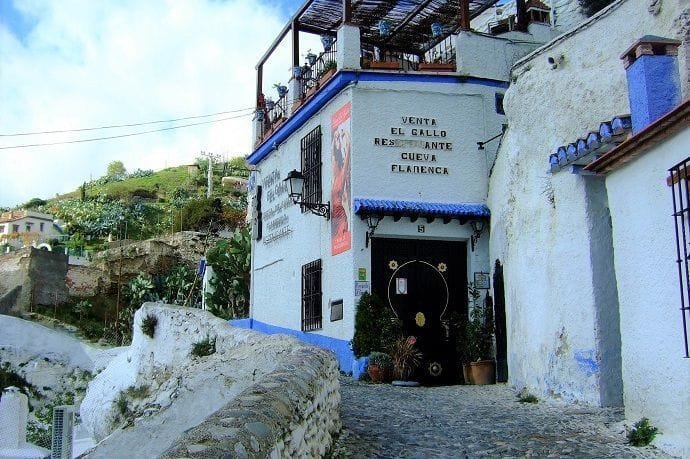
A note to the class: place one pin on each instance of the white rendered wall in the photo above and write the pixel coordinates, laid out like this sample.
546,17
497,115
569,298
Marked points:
656,375
548,250
465,112
277,272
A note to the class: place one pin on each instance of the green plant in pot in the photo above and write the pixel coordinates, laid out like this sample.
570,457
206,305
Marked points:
329,66
479,336
380,366
376,326
406,359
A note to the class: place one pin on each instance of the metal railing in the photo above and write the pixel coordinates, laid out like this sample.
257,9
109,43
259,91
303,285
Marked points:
678,181
312,72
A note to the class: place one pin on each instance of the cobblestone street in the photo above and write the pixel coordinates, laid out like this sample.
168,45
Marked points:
473,421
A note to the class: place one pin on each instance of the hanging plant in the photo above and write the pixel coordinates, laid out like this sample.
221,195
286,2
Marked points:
270,104
327,42
311,57
384,28
282,90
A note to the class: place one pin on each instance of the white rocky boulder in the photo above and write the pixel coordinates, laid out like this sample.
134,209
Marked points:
157,389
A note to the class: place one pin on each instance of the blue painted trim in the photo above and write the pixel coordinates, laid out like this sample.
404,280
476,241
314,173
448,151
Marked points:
364,206
337,83
340,347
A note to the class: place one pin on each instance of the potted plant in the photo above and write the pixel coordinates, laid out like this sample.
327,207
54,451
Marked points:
380,366
327,42
329,68
281,89
270,104
311,57
406,358
480,329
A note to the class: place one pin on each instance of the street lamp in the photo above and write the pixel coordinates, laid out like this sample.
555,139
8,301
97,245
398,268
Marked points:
295,181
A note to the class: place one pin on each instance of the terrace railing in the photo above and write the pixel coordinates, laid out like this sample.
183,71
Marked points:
312,72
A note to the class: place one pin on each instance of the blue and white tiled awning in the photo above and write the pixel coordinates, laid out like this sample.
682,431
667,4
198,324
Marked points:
416,209
585,150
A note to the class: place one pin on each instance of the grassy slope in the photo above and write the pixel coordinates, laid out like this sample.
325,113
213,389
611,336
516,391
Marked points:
167,180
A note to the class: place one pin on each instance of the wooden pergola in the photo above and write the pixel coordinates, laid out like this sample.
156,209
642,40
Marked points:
410,22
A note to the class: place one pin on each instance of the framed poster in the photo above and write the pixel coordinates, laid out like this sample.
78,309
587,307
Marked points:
482,280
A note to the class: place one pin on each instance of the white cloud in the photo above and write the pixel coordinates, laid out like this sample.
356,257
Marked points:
90,63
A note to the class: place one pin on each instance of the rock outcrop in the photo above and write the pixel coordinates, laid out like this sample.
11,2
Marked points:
157,390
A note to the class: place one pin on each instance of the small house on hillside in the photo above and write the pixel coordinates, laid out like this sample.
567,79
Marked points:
25,228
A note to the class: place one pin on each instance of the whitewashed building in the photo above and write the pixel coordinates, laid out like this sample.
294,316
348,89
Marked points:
591,278
27,227
579,198
392,151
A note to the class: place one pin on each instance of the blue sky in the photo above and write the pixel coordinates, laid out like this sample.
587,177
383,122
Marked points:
80,63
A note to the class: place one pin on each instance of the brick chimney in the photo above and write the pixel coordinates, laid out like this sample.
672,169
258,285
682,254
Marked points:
651,66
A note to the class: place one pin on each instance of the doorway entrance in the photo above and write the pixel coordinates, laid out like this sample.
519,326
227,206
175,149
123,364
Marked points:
425,283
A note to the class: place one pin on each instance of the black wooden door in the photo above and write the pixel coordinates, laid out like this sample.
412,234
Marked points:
424,281
501,329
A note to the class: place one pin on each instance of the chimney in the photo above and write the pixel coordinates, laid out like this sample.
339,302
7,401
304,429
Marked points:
651,66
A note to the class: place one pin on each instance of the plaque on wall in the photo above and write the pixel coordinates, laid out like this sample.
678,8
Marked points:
482,280
336,310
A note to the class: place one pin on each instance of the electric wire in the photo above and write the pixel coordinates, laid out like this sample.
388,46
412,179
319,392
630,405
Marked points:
131,134
113,126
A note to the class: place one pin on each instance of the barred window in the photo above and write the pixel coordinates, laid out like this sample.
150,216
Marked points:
678,181
311,296
311,167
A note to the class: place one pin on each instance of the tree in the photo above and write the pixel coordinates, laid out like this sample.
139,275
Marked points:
231,261
591,7
33,203
116,169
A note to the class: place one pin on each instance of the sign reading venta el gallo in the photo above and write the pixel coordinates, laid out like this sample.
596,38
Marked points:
421,145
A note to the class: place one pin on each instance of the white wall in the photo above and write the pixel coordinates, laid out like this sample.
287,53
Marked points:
655,373
555,300
465,112
277,271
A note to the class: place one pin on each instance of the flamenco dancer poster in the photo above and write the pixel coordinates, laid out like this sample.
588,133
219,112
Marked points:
341,205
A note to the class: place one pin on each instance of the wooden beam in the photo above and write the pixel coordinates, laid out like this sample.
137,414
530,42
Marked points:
347,11
284,32
465,14
295,43
259,83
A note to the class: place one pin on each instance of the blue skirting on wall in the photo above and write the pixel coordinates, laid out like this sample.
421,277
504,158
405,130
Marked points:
339,347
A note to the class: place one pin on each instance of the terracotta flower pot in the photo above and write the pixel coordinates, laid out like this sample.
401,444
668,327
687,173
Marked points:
467,373
376,373
483,372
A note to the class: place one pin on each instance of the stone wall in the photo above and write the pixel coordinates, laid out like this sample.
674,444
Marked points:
293,411
39,273
14,268
47,271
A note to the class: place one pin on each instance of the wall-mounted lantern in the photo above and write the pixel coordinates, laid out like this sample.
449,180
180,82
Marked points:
372,222
295,181
477,228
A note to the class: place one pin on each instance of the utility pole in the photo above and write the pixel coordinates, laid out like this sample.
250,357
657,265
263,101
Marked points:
211,157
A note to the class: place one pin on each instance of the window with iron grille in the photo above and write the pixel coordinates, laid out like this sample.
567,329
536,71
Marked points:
311,167
678,181
311,296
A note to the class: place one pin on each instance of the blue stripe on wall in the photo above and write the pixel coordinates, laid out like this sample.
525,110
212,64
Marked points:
339,347
339,81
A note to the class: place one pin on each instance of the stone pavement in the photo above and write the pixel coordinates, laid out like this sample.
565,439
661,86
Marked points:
383,421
